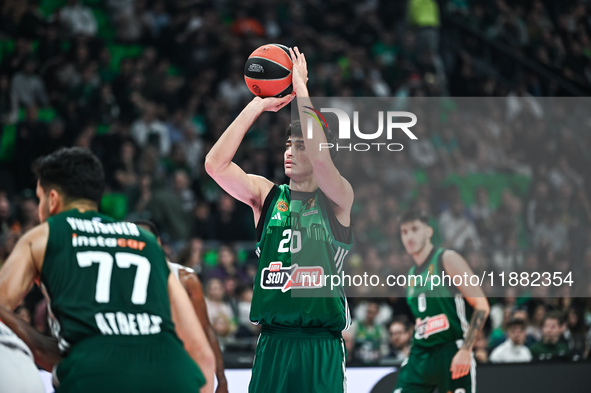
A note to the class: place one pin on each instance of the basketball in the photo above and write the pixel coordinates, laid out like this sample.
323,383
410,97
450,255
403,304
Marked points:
267,71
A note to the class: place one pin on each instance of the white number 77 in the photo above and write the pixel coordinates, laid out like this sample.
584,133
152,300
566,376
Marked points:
124,261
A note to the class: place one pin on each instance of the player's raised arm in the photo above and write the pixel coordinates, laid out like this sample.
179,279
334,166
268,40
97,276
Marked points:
190,331
195,290
249,189
330,181
22,267
45,349
455,265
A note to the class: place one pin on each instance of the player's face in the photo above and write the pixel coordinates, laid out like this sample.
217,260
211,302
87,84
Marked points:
414,235
551,330
397,335
516,335
43,208
295,159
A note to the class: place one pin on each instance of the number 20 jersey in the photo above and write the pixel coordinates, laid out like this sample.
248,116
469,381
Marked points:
296,248
103,278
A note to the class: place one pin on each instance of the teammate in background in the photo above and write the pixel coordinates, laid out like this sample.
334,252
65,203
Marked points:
300,348
109,287
18,372
441,352
190,281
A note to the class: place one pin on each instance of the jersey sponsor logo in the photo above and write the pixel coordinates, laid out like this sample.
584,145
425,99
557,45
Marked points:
431,325
110,242
277,216
311,203
127,324
282,206
291,277
310,213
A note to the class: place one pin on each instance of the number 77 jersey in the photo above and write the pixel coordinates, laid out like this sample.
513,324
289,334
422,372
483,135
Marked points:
297,250
103,277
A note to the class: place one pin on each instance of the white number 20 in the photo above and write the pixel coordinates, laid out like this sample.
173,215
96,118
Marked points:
124,260
294,241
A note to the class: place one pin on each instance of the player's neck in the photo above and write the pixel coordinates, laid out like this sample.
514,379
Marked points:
80,205
307,184
422,255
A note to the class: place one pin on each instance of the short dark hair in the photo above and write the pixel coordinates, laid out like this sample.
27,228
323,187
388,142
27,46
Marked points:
403,320
558,315
75,171
413,214
295,129
516,322
150,226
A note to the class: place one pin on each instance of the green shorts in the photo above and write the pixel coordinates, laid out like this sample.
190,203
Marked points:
296,360
428,368
129,364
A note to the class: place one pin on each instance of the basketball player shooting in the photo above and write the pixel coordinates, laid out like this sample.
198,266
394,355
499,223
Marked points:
300,348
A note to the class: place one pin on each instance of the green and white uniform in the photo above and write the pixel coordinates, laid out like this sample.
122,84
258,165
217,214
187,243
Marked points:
442,317
107,287
300,347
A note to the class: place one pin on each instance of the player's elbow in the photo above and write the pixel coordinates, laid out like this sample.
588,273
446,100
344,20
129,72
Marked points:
481,304
212,164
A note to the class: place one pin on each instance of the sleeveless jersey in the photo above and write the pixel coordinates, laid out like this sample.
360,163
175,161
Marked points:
103,278
440,313
175,268
296,249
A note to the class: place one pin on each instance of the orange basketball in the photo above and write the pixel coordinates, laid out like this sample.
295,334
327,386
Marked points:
267,71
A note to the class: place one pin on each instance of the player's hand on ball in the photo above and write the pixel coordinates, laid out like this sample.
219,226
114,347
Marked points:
299,72
273,104
460,364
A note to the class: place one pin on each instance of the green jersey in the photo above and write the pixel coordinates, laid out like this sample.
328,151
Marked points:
440,312
103,278
297,248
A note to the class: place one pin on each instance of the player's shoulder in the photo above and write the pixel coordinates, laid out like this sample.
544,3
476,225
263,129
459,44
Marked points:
37,233
450,255
452,261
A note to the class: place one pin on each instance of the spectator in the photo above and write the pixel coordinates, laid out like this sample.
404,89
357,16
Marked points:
148,130
230,222
400,340
181,187
513,349
576,331
227,266
28,88
370,338
457,229
8,102
551,347
76,18
214,298
157,19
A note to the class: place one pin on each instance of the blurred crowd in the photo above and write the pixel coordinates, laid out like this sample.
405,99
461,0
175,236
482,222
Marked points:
150,85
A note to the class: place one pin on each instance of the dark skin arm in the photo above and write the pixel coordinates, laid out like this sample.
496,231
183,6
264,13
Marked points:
193,286
44,349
